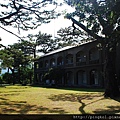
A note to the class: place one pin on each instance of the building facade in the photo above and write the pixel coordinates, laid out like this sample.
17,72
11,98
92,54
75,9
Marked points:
82,66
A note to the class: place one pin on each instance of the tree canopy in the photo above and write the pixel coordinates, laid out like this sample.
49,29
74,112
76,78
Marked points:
27,14
71,36
13,58
98,14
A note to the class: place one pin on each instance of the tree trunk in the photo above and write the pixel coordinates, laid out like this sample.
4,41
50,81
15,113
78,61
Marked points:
111,87
13,75
19,75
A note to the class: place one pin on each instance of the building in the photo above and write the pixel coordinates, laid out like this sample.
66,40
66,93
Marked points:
82,66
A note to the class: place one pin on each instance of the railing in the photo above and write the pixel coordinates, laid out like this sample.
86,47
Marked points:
80,63
69,65
94,61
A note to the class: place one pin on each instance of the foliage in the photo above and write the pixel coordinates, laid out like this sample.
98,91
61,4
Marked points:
7,78
101,16
46,42
43,41
26,75
27,14
70,36
14,58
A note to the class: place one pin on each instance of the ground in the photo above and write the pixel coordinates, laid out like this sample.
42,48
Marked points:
41,100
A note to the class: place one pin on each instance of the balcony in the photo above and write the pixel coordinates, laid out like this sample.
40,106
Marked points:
80,63
69,65
94,61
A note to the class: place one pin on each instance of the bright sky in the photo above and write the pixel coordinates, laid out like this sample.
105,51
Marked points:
50,28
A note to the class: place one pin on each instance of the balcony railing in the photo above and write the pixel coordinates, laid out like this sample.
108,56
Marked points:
69,65
94,61
80,63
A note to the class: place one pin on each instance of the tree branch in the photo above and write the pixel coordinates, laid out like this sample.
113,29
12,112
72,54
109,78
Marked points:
86,29
11,32
12,14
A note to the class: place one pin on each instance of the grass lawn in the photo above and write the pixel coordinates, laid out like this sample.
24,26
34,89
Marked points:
38,100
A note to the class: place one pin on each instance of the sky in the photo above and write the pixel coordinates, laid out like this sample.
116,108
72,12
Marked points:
50,28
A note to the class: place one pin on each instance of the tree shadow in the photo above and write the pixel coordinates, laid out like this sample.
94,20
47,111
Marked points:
3,98
22,107
109,110
81,109
73,97
15,91
10,94
79,98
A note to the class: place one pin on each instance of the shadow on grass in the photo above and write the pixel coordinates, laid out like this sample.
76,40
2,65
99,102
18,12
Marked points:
110,110
21,107
79,98
10,94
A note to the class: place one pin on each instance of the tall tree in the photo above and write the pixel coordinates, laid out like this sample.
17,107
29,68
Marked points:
39,43
101,20
44,42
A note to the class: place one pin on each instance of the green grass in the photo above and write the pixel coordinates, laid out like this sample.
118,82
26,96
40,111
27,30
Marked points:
41,100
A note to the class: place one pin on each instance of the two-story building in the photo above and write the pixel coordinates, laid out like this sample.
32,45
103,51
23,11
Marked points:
82,65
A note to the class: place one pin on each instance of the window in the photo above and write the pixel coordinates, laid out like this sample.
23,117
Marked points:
46,63
82,78
52,62
60,60
94,54
69,59
80,58
41,64
94,77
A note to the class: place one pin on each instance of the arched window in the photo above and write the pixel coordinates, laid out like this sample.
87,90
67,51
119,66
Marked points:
60,60
94,77
82,78
40,64
52,62
80,58
69,80
94,55
69,59
46,63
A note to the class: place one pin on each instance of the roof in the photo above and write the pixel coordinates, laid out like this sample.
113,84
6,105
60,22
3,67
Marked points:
58,50
65,48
